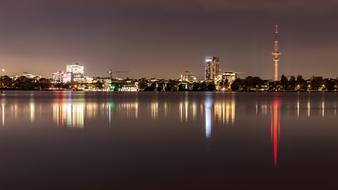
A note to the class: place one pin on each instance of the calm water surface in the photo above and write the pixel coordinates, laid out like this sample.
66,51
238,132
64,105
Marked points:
78,140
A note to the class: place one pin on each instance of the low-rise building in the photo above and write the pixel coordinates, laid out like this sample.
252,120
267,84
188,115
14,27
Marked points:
187,76
129,87
224,81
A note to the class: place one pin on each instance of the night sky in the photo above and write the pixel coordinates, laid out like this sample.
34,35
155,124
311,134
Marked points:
163,38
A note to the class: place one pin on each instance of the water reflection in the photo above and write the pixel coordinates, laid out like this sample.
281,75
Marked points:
225,111
154,110
208,116
209,113
187,111
132,108
298,106
69,114
309,107
275,128
3,114
323,106
91,110
221,110
32,111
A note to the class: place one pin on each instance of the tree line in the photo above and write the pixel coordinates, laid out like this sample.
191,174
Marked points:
247,84
316,83
24,83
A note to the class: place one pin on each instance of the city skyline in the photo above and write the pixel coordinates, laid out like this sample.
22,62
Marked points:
163,39
168,94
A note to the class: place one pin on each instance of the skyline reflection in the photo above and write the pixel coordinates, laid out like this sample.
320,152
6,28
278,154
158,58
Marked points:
220,111
211,114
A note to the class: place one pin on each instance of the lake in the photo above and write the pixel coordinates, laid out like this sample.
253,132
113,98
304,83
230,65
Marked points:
198,140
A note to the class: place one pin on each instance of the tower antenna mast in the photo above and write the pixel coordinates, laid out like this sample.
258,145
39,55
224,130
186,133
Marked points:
276,53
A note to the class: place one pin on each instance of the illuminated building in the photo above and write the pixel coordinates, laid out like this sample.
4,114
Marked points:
129,87
29,75
75,69
89,79
211,68
67,77
188,77
225,78
58,77
75,73
276,53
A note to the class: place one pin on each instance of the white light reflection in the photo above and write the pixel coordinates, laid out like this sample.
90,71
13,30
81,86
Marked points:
309,108
194,110
208,116
323,107
264,108
181,111
187,110
15,111
186,107
69,114
154,110
256,108
32,111
165,107
132,108
225,111
184,110
91,110
298,107
109,107
3,114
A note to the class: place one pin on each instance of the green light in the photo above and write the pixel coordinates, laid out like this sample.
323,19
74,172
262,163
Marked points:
114,87
112,104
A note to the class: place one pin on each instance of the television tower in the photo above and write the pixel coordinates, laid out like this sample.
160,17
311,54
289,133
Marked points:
276,53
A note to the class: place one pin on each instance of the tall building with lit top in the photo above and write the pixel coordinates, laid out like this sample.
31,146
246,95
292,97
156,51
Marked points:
276,54
75,69
74,73
211,68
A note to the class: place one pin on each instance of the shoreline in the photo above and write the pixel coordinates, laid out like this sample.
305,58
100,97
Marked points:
161,92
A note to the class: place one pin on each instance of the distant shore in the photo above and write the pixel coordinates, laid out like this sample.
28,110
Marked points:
70,90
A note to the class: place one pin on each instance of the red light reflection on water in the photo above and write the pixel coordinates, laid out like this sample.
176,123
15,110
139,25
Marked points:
275,129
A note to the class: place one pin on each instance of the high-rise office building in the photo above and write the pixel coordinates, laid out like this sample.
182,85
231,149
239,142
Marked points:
74,73
75,69
211,68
